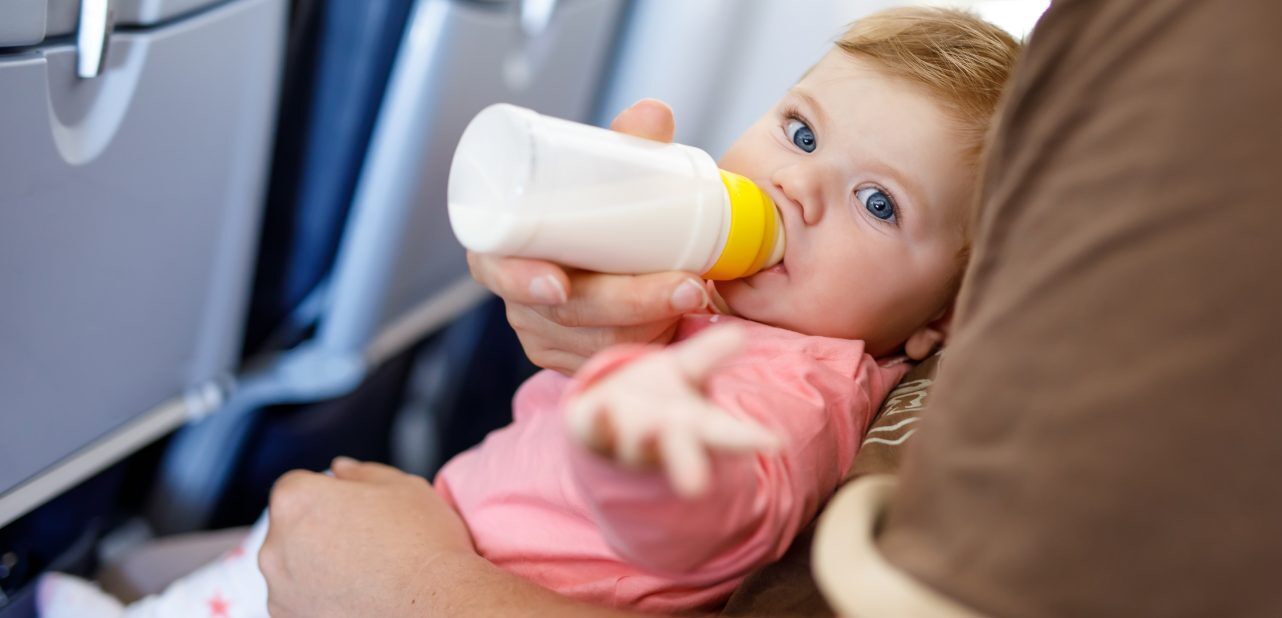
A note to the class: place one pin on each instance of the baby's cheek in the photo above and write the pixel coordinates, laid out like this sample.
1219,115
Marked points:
835,310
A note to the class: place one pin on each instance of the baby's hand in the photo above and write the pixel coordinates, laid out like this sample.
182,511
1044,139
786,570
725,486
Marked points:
653,412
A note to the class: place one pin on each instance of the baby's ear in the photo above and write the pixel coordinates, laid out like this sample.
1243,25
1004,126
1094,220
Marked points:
928,338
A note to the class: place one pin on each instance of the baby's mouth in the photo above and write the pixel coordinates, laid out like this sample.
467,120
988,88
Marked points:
782,203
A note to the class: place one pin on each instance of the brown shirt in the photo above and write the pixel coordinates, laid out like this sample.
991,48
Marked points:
1106,436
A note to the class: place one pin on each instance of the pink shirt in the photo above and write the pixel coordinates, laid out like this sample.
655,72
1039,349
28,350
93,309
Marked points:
543,507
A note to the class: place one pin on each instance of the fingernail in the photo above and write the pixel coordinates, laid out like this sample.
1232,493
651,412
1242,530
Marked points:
341,461
546,289
689,296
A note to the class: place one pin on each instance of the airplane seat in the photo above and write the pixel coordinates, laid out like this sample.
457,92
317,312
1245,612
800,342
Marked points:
128,236
135,151
398,275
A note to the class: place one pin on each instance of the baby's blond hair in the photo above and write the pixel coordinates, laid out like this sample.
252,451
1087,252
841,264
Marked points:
960,58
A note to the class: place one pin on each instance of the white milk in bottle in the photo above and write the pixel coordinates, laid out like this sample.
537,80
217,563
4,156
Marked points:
528,185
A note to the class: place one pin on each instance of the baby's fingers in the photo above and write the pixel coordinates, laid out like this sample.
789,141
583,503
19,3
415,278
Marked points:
685,462
589,423
684,447
718,430
614,432
699,355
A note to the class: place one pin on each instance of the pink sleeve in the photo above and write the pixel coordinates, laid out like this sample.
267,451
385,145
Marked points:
756,504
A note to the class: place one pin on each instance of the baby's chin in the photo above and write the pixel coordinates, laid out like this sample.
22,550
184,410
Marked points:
747,299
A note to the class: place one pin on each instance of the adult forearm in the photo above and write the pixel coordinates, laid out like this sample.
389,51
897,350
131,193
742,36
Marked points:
463,586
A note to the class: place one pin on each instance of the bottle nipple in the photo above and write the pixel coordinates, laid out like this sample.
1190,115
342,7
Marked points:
756,237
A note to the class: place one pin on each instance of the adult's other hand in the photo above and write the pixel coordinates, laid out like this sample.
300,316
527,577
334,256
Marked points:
369,541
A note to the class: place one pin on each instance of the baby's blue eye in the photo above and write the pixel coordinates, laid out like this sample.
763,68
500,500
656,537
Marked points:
877,203
801,135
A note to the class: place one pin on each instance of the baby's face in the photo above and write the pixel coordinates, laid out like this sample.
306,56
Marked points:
873,187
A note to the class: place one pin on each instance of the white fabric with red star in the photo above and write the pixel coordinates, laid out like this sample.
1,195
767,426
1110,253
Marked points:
230,587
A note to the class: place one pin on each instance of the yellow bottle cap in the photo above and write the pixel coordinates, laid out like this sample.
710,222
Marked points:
754,231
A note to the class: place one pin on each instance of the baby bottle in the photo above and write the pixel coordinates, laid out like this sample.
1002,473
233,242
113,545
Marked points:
528,185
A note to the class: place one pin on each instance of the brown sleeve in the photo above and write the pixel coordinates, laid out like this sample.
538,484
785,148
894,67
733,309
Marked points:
1106,431
786,589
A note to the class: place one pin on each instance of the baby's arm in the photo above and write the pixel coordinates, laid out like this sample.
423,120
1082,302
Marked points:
751,504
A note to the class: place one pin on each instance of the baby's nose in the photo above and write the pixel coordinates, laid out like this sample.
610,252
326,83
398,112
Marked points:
802,189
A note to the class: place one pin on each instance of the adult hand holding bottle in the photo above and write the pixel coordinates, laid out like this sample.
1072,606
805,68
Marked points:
563,316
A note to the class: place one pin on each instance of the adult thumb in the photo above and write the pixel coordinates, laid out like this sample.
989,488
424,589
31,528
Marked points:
647,118
348,469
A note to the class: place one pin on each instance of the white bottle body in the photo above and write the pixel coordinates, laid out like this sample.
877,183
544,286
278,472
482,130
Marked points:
524,184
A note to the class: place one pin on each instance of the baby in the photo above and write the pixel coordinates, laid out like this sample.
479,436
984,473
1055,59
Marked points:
657,478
